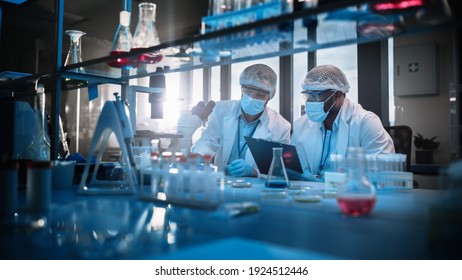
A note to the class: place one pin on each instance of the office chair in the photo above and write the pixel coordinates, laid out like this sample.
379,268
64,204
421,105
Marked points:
402,140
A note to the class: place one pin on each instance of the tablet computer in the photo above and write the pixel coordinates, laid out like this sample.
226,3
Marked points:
262,152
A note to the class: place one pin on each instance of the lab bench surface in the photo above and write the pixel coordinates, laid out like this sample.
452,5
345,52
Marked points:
402,225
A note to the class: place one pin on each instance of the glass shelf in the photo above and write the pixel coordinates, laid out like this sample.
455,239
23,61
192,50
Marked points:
332,23
339,23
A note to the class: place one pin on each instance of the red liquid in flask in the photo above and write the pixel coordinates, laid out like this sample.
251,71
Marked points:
356,206
149,57
120,62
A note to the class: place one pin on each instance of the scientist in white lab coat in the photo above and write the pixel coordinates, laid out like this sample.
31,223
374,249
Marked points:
333,123
231,120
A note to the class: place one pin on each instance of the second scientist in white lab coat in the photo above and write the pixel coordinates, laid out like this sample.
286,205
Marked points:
333,123
231,120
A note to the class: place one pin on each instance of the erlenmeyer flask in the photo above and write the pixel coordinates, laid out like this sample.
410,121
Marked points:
277,175
122,41
74,55
146,34
357,195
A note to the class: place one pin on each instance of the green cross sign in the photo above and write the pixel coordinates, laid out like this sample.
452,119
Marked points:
413,67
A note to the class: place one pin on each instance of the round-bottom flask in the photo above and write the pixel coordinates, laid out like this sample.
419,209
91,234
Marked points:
356,197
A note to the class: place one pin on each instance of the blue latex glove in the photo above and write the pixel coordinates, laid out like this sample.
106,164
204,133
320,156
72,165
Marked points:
294,175
240,168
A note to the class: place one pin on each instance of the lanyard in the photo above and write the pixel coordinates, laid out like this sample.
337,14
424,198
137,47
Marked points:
323,161
239,136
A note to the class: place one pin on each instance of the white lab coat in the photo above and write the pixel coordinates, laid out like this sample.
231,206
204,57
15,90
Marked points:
356,127
218,137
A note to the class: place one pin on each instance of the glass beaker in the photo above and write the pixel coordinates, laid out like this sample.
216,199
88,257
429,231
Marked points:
277,175
74,55
122,42
356,196
146,34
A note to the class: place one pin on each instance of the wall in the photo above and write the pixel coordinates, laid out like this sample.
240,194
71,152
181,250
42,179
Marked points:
429,115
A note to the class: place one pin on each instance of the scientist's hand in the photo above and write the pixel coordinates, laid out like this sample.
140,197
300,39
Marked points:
294,175
240,168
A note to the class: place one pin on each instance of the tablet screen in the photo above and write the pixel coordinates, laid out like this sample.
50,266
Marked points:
262,152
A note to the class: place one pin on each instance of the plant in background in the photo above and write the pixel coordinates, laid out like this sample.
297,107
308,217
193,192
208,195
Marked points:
424,149
422,143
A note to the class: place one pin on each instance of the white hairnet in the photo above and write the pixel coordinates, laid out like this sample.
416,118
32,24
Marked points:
259,76
325,77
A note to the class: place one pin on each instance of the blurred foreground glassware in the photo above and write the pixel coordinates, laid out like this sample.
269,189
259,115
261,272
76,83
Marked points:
39,149
146,34
356,196
122,42
74,55
277,175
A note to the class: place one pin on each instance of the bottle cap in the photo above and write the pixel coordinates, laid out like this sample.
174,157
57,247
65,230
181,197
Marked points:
124,18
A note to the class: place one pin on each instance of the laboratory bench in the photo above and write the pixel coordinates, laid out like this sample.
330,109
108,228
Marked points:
251,222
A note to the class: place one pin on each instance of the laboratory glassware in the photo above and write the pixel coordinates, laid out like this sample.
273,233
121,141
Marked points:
277,175
122,42
39,149
74,55
356,196
146,34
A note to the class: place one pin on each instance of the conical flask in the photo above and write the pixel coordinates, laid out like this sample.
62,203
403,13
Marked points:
146,34
277,175
39,149
356,196
122,42
74,55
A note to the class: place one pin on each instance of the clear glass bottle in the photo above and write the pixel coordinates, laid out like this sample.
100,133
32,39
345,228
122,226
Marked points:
277,175
39,149
146,34
74,55
122,43
356,196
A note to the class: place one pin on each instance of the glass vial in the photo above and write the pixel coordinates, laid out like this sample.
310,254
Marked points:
277,175
39,149
122,42
146,34
356,196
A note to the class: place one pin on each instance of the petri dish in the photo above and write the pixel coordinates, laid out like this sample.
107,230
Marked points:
307,198
242,184
278,194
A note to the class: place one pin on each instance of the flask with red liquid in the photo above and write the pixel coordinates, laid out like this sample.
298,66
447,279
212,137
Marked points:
146,34
356,196
122,42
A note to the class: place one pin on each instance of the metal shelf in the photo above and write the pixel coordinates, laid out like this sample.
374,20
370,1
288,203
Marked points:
332,23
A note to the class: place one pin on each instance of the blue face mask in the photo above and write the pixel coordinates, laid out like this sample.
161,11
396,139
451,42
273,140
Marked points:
251,105
315,110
